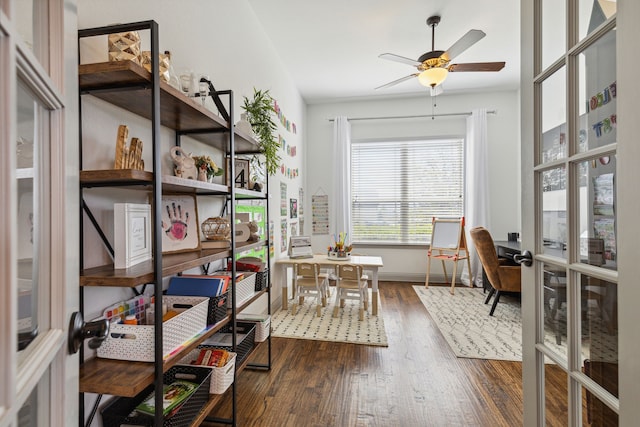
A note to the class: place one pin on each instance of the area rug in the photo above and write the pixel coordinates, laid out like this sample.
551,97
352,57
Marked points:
344,328
465,323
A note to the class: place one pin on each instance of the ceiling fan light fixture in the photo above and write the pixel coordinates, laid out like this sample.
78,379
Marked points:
432,77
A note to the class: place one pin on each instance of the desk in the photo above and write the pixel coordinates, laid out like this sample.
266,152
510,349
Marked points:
370,263
507,249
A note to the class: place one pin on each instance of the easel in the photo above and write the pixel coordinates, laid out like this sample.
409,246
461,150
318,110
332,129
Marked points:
448,239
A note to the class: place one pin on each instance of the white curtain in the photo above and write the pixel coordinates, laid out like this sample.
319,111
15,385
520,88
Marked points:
341,207
476,187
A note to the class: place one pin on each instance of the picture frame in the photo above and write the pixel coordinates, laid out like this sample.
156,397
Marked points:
243,173
180,225
132,234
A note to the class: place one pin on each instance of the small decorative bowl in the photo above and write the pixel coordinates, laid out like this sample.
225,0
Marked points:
339,255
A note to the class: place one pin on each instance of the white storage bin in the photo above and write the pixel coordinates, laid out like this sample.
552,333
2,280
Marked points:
245,288
263,325
136,342
221,377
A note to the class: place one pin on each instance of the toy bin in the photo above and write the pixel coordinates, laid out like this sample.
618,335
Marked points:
221,377
121,410
136,342
245,341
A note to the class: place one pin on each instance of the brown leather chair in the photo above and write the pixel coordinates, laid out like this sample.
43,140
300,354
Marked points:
503,278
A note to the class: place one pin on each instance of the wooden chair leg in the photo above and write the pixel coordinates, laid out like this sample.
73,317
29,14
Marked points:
495,302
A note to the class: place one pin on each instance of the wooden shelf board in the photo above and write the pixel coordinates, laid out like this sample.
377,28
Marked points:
127,378
101,178
142,273
115,82
181,185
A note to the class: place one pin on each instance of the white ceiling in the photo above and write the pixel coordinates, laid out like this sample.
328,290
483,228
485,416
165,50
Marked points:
331,47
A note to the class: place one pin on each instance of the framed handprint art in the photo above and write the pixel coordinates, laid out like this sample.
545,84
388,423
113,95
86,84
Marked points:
179,215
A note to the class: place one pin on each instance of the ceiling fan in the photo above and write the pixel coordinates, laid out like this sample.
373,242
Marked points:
433,67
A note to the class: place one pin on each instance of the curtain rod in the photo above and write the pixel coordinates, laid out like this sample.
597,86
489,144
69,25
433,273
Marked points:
412,117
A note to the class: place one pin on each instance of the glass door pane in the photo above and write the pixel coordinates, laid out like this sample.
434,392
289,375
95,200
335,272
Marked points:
554,31
593,13
32,312
32,23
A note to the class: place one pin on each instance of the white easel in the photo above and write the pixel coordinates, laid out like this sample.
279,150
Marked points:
448,239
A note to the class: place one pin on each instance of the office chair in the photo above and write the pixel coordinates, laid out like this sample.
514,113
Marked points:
503,278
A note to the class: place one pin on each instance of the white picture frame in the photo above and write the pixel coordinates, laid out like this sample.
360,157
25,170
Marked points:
132,234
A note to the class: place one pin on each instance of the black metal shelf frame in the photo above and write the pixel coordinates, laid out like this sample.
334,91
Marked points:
156,190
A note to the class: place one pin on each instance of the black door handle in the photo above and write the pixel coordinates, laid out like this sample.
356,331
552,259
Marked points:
79,331
525,258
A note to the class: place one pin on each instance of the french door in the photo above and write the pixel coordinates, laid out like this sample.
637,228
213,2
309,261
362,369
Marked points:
38,163
580,162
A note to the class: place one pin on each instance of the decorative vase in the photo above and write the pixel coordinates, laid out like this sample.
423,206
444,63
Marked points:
244,125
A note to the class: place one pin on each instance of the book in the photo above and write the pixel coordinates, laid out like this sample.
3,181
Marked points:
198,285
174,395
214,357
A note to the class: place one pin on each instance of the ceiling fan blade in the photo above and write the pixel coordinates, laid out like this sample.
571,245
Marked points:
398,58
477,66
395,82
465,42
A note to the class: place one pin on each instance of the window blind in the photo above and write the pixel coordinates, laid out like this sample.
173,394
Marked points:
397,187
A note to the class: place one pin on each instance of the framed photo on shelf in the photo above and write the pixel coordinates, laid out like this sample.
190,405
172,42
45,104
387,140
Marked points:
242,173
180,232
132,234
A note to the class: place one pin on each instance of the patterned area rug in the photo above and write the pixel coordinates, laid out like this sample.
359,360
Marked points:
464,321
344,328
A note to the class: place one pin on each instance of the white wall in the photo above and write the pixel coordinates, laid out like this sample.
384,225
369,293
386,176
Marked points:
409,263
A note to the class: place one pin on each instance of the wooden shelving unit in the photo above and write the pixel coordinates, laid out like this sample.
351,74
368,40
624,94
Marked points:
132,88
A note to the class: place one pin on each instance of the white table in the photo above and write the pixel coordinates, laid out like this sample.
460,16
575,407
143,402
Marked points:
369,263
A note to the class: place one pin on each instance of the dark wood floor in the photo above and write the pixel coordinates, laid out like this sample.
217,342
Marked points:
416,381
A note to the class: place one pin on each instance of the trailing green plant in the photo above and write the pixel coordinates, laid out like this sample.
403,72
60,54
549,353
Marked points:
260,113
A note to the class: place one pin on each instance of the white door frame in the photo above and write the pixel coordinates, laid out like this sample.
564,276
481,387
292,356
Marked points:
627,208
49,69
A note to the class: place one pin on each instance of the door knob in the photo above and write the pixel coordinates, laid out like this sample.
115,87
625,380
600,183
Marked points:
79,331
525,258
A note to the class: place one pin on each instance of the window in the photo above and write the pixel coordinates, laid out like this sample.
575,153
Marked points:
398,186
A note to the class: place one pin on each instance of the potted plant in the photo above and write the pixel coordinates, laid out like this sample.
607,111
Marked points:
207,168
260,111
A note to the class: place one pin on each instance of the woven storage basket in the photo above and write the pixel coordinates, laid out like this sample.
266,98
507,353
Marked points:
262,280
120,410
217,308
245,288
263,328
244,347
221,377
136,342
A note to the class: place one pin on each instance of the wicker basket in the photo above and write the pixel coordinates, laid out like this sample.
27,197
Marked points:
217,308
221,377
136,342
243,347
245,288
120,410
